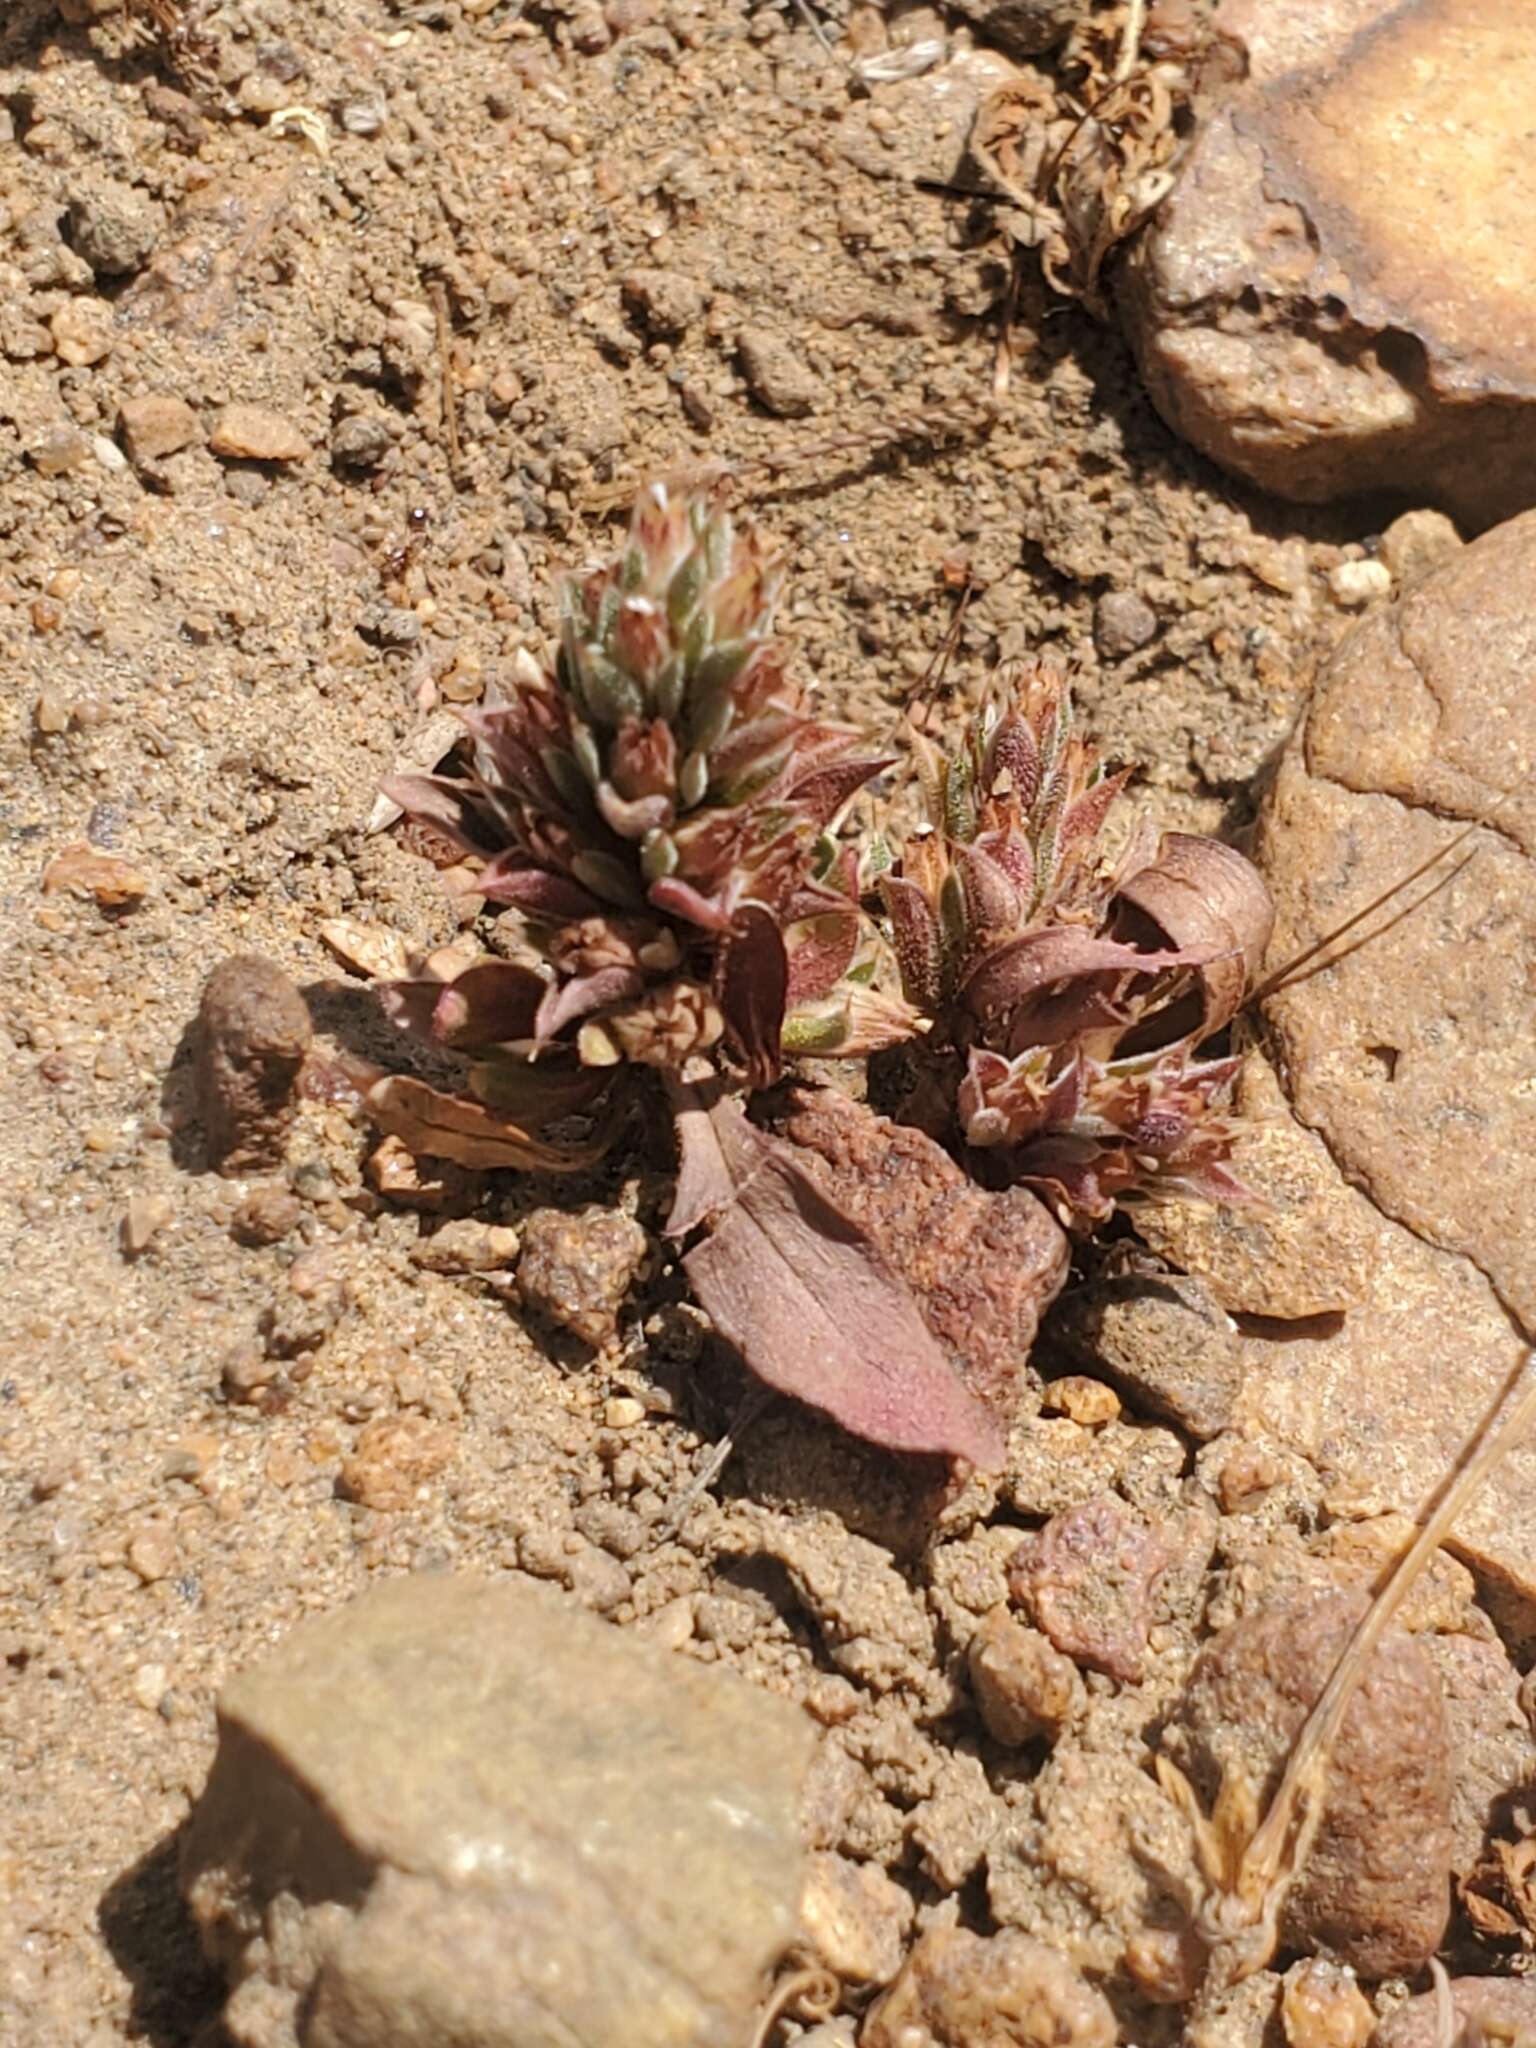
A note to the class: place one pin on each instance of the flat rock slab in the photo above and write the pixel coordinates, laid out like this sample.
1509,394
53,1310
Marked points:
1414,1059
1340,294
463,1811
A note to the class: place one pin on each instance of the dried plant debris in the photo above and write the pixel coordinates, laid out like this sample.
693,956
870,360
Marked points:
1086,160
658,823
175,27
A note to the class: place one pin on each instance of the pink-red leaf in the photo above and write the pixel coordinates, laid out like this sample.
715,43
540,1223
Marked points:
436,1126
492,1003
916,940
816,1310
1016,973
752,987
824,949
534,891
565,1001
447,804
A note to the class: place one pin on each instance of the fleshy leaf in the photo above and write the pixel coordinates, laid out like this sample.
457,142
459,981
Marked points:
1016,973
1205,897
534,891
565,1001
822,952
818,1313
916,939
491,1003
751,987
444,802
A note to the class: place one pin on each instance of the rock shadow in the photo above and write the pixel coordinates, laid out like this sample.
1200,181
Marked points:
177,1994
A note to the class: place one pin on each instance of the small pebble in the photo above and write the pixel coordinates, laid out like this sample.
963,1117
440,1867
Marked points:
146,1217
665,301
253,1034
155,425
961,1990
50,713
671,1625
1246,1476
247,1374
623,1411
1354,584
266,1216
82,332
856,1918
1122,622
114,883
60,450
389,625
1082,1400
361,441
151,1552
1025,1688
1417,542
307,1310
466,1245
1088,1579
113,226
149,1686
396,1459
578,1269
247,487
255,433
776,376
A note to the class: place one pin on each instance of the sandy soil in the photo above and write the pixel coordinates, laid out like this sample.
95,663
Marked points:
207,662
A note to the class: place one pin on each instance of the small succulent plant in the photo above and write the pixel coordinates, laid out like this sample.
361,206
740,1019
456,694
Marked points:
1076,991
656,815
656,809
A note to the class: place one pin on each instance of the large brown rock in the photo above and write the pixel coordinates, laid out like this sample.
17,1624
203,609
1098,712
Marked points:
1409,1066
1375,1890
1339,295
1416,1057
464,1811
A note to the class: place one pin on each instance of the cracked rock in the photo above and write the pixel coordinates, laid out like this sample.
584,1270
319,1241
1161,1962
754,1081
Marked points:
1412,1058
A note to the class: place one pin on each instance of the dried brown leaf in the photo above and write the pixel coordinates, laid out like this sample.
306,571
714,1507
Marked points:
433,1125
1210,901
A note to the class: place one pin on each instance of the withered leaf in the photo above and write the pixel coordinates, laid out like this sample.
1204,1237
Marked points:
814,1307
1211,902
372,950
433,1125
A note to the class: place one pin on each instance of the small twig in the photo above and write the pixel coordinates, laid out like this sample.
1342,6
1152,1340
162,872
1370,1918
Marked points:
802,8
445,370
1308,964
1272,983
1445,2005
1256,1887
1130,40
1002,368
927,691
716,1458
902,427
815,1991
